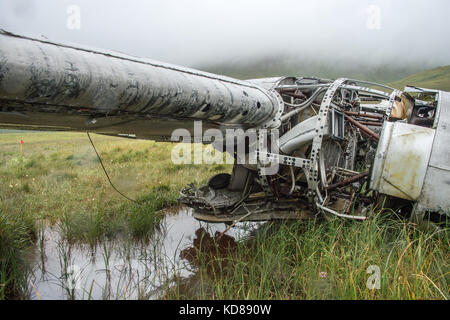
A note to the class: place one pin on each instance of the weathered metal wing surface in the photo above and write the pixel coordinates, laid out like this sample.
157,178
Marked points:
57,86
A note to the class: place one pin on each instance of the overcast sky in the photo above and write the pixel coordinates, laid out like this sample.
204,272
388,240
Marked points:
194,32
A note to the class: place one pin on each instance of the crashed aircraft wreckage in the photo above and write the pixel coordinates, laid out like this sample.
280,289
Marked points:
329,147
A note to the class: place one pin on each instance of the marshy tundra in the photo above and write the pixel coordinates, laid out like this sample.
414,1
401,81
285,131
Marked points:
301,146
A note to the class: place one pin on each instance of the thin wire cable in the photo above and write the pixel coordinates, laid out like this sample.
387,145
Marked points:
106,173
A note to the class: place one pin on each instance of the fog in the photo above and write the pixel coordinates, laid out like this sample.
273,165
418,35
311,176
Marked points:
196,32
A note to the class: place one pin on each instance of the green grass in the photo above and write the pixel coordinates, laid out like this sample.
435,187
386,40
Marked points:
17,233
438,78
58,180
325,260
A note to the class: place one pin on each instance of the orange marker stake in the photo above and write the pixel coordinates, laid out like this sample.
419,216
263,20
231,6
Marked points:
21,145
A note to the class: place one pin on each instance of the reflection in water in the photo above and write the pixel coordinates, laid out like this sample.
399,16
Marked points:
208,250
123,269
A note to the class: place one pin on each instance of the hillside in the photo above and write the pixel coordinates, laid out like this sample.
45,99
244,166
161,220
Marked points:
262,67
438,78
417,75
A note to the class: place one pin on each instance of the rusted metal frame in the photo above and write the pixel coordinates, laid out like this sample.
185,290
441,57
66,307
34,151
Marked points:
352,198
348,181
274,183
364,115
291,92
363,128
272,186
293,95
369,123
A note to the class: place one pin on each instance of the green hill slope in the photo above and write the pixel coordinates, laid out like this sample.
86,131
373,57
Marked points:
297,66
410,74
438,78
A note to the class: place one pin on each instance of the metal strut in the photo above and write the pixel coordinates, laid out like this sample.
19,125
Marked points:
313,179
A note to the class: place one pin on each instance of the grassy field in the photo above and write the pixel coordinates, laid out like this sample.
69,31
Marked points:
58,180
59,176
324,260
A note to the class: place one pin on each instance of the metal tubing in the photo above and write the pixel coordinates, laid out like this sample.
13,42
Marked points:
363,128
364,115
347,181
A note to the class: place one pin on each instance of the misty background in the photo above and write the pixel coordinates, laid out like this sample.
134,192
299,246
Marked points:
378,40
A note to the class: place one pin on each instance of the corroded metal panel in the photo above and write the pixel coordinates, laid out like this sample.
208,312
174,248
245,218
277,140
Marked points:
435,195
402,160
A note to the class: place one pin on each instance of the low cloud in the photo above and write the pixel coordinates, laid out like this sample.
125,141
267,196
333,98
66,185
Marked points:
196,32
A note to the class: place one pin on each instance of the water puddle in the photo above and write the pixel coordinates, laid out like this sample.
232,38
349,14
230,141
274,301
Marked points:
119,269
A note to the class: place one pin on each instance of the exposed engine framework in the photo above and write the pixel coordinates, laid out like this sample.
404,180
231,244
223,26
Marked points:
342,143
334,155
